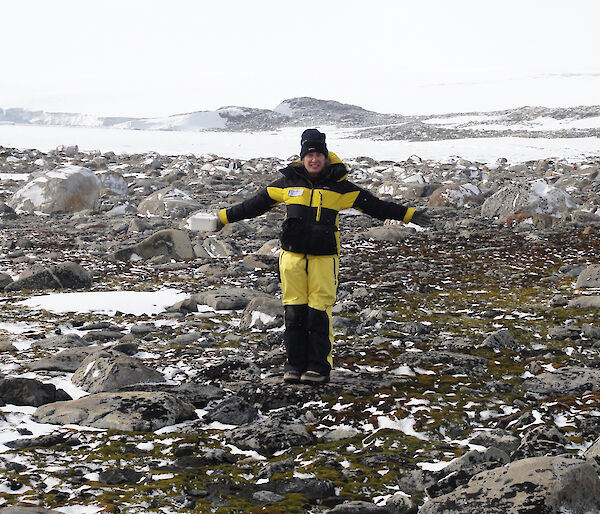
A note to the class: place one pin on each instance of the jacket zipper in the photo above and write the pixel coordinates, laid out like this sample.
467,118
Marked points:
318,218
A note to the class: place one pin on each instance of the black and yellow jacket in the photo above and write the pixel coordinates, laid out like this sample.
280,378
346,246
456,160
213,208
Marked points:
313,206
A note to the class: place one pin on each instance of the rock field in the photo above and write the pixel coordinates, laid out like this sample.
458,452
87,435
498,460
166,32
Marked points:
467,355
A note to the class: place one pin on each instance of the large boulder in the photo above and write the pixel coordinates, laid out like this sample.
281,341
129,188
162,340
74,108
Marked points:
454,195
64,189
68,359
270,436
110,370
535,197
171,243
589,277
538,484
113,182
68,275
226,298
27,391
262,313
565,381
132,411
169,201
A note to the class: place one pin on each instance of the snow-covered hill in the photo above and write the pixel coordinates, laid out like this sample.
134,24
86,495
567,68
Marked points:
529,122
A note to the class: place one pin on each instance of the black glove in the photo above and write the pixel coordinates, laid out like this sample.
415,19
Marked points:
220,225
421,218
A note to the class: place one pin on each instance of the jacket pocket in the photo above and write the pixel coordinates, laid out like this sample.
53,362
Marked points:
311,238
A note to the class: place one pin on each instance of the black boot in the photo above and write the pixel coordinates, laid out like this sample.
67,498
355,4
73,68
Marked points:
295,338
319,347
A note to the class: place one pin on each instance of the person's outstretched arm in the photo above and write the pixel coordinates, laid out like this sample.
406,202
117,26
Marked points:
383,210
258,204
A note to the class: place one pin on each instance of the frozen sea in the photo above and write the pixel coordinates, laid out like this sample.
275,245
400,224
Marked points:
285,143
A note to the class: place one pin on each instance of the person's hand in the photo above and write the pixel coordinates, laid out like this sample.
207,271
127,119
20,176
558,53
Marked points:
421,218
220,225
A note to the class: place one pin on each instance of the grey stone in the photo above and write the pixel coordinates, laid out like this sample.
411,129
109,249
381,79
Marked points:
109,370
5,280
564,381
66,360
169,201
267,497
17,509
174,244
232,411
28,391
226,298
585,302
538,484
589,277
541,441
61,341
269,436
500,339
130,411
360,507
262,313
339,434
501,439
69,275
64,189
119,476
393,233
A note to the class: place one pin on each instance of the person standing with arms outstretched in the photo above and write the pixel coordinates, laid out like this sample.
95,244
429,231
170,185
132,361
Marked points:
314,190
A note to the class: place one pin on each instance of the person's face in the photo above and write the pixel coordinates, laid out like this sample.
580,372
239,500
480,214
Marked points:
314,162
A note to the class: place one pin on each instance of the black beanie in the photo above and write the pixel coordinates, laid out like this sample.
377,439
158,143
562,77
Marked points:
312,141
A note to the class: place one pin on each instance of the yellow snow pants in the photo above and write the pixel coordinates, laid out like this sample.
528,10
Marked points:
309,285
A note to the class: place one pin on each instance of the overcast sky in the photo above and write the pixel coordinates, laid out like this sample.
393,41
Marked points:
154,58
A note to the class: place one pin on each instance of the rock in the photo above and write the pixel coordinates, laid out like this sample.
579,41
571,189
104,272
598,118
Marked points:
568,380
339,434
119,476
541,441
174,244
66,360
538,484
109,370
535,197
262,313
311,488
392,233
113,182
65,189
169,201
585,302
44,441
456,363
5,280
269,436
127,411
62,341
16,509
7,213
401,504
226,298
232,411
454,195
564,332
267,497
7,346
69,275
359,507
27,391
460,471
501,439
589,277
218,248
501,339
